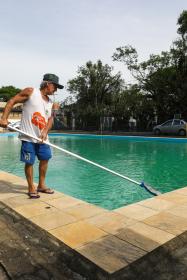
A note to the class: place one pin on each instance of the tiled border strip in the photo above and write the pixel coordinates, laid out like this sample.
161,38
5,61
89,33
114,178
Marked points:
104,243
119,137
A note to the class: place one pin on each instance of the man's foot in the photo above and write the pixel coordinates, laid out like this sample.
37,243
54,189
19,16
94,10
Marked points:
33,195
45,190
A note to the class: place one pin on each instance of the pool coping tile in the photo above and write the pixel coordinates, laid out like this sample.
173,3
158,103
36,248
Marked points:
111,253
53,220
180,211
182,191
111,222
145,236
78,233
157,204
136,211
109,240
64,202
168,222
84,211
35,209
174,197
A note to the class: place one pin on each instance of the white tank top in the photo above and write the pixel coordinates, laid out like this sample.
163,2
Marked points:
35,115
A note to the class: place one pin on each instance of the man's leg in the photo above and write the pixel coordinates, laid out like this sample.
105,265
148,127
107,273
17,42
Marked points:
29,177
28,157
43,154
42,173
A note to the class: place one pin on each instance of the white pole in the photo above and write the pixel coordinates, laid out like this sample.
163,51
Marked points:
74,155
148,188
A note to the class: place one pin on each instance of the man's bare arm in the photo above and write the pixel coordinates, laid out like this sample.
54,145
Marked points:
21,97
45,131
49,125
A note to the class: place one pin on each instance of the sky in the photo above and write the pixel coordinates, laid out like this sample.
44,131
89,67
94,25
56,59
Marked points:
58,36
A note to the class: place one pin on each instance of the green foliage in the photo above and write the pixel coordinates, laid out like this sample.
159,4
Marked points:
8,92
182,22
93,88
133,102
162,78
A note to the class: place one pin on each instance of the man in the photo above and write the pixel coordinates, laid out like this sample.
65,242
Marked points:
37,120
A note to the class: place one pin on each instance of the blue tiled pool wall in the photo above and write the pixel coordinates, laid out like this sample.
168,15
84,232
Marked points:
113,137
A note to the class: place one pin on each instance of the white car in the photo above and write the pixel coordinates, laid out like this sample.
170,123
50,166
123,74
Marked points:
174,126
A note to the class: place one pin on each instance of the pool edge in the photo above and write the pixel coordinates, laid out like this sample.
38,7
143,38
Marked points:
129,234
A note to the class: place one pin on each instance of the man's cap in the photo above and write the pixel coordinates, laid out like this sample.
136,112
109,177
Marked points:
52,78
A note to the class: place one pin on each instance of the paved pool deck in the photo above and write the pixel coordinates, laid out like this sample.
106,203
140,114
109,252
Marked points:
130,242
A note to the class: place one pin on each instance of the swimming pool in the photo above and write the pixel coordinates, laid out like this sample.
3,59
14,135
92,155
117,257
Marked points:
160,162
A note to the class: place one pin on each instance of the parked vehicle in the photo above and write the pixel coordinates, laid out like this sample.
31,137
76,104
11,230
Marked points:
174,126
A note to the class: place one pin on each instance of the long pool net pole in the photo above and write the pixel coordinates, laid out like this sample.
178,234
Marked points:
148,188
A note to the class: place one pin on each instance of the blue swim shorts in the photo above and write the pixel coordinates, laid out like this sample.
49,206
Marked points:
30,150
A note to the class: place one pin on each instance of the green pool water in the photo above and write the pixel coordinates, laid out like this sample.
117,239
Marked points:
161,164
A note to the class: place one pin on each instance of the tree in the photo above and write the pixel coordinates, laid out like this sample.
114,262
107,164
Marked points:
163,77
182,22
149,74
93,89
8,92
131,102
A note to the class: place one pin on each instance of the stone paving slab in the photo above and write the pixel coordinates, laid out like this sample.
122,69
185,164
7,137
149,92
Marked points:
78,234
114,244
85,210
168,222
34,209
111,222
174,197
136,211
144,236
53,220
157,204
182,191
111,253
63,202
180,211
19,200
